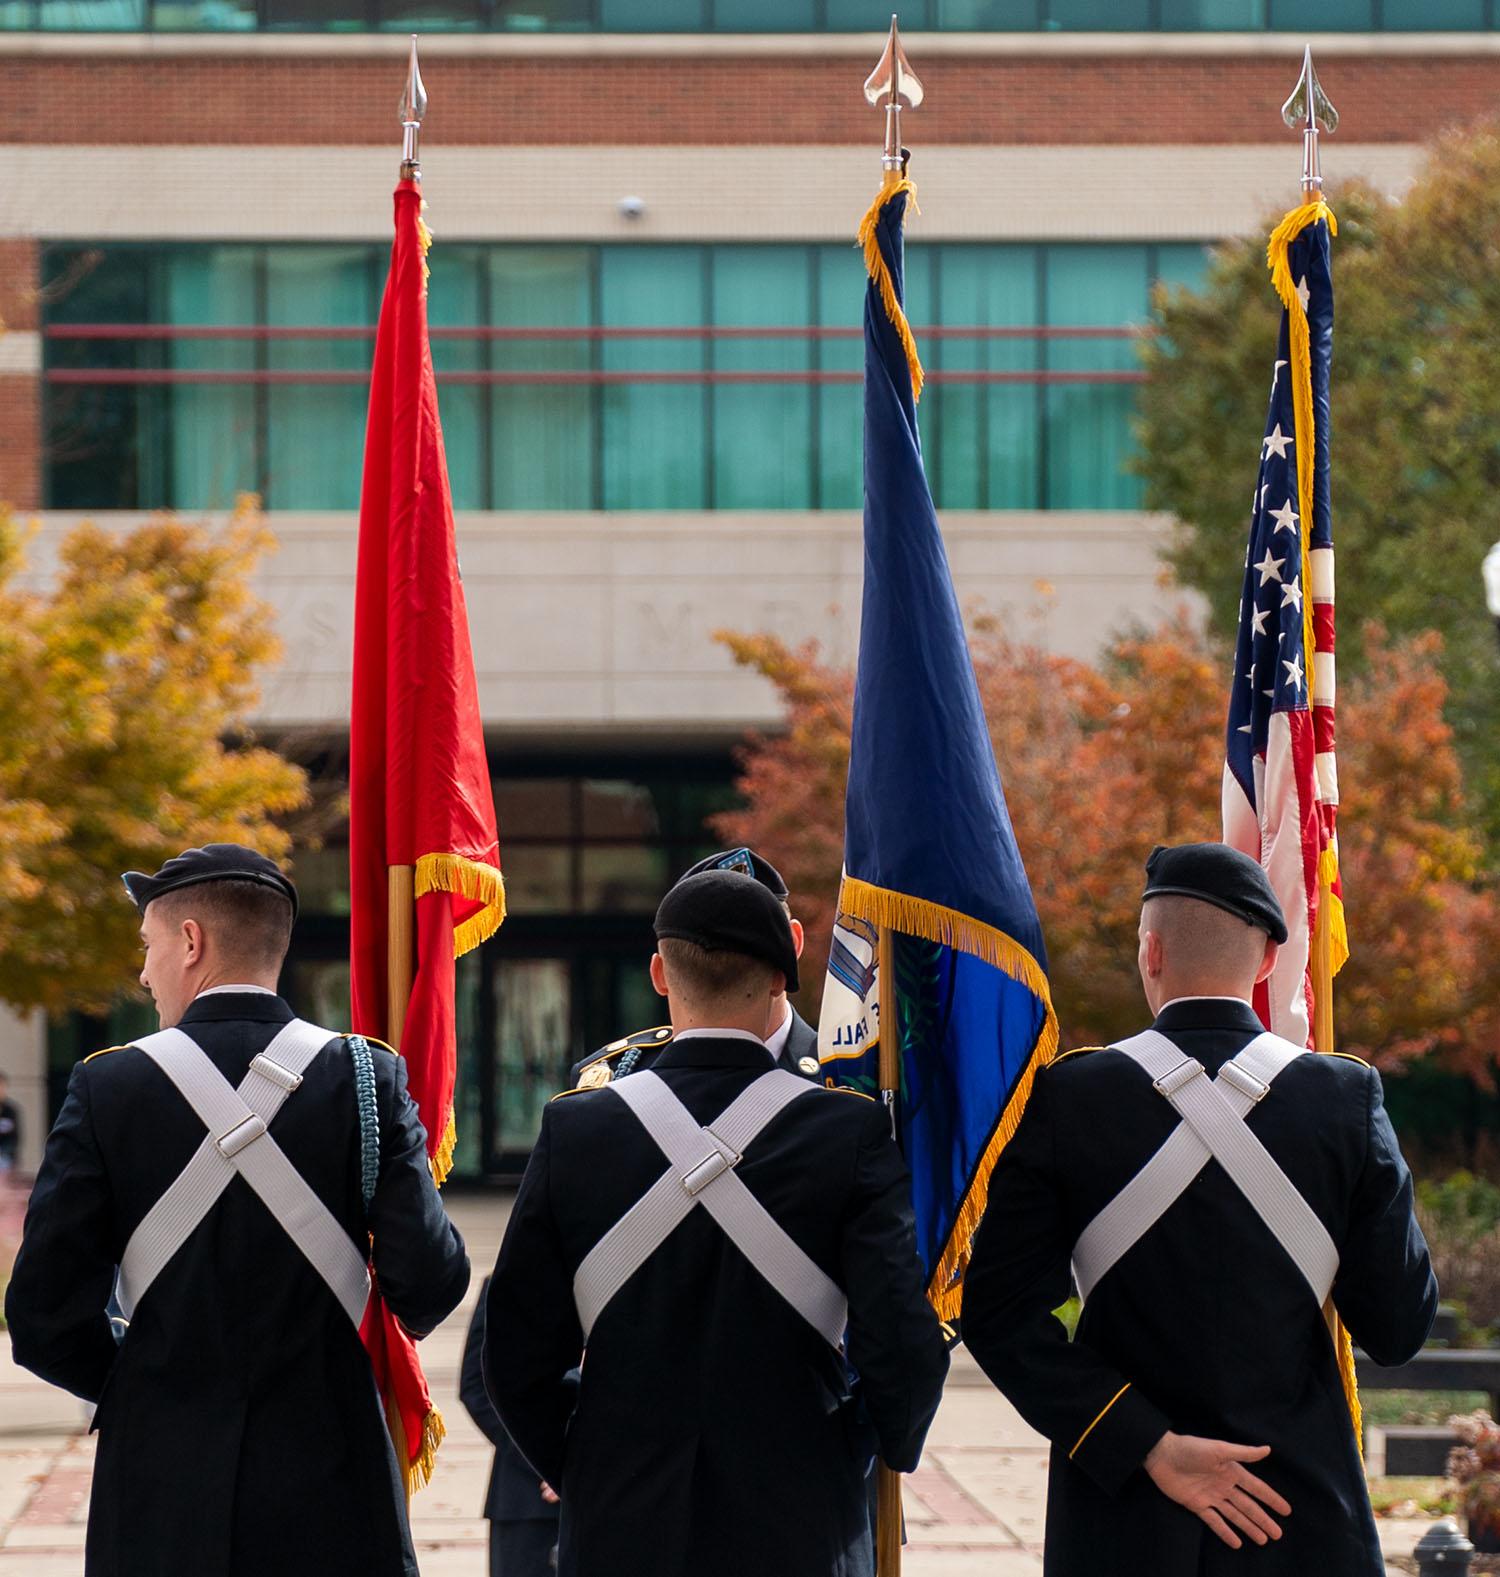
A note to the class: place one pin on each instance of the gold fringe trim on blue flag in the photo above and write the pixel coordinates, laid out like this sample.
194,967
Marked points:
876,267
950,928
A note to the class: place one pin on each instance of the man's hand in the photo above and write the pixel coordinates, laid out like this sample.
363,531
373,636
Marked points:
1210,1479
550,1497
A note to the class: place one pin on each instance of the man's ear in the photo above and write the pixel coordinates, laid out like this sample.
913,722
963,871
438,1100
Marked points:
192,942
658,975
1268,960
799,937
1153,954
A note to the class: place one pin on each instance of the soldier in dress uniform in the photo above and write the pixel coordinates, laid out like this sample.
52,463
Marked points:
227,1179
715,1335
793,1041
1212,1187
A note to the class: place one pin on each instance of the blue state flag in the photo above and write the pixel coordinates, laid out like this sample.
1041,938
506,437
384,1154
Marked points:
929,851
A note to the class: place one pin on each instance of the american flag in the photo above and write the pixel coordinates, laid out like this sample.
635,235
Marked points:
1280,781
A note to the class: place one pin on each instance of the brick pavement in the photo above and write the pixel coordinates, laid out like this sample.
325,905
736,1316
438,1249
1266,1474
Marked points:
974,1507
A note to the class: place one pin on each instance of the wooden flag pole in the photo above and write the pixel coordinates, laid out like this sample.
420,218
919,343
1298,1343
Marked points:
888,1481
401,953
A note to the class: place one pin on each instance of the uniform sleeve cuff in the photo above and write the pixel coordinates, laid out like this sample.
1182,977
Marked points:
1119,1439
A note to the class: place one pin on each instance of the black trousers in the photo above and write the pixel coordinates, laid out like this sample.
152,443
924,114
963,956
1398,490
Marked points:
523,1549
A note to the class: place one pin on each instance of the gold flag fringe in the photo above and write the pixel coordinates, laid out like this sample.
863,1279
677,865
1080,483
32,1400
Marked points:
454,873
1278,260
419,1472
875,266
1338,927
1344,1347
416,1472
950,928
441,1163
424,237
919,917
945,1290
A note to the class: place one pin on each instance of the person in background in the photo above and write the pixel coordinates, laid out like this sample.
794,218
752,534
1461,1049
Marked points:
793,1041
10,1129
520,1509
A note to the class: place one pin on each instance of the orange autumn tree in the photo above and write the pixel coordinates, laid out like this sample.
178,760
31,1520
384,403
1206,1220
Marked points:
1103,761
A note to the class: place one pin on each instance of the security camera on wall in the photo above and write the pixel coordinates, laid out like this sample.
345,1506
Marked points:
632,207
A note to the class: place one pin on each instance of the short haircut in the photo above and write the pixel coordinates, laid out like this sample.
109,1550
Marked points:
1199,938
250,923
710,979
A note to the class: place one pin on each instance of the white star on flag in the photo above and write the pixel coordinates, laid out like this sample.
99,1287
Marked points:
1276,441
1285,517
1294,670
1291,592
1276,375
1258,617
1270,569
1304,295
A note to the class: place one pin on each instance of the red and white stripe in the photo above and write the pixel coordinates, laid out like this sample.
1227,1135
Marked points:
1296,787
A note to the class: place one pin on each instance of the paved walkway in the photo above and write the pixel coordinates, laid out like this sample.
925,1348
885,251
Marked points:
974,1507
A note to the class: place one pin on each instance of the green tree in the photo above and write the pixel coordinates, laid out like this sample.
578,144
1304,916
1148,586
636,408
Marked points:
123,687
1415,437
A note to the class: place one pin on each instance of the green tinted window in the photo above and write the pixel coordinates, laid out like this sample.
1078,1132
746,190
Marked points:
586,377
1294,17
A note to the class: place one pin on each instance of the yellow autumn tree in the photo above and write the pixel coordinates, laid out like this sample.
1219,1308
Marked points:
126,674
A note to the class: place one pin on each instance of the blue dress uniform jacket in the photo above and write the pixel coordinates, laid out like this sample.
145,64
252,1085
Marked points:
712,1429
239,1429
1205,1326
799,1052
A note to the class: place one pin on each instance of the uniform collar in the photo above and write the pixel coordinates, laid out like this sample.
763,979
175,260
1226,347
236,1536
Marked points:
721,1049
261,1007
777,1039
1208,1013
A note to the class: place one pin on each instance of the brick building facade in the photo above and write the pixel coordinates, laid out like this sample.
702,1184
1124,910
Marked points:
160,186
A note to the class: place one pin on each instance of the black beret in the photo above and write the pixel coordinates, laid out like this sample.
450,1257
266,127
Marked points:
729,912
746,860
1220,875
214,862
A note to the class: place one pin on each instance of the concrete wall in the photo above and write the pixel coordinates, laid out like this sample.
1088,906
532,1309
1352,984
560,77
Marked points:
606,622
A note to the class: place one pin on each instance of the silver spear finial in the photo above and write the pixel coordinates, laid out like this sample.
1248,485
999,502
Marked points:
890,82
1309,110
413,108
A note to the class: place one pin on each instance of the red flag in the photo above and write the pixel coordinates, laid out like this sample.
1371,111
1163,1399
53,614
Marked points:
419,783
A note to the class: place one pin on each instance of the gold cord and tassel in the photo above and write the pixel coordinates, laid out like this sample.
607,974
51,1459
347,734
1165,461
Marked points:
876,267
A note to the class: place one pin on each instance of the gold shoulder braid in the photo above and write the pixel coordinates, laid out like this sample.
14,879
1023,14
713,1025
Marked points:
597,1072
1077,1051
103,1051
